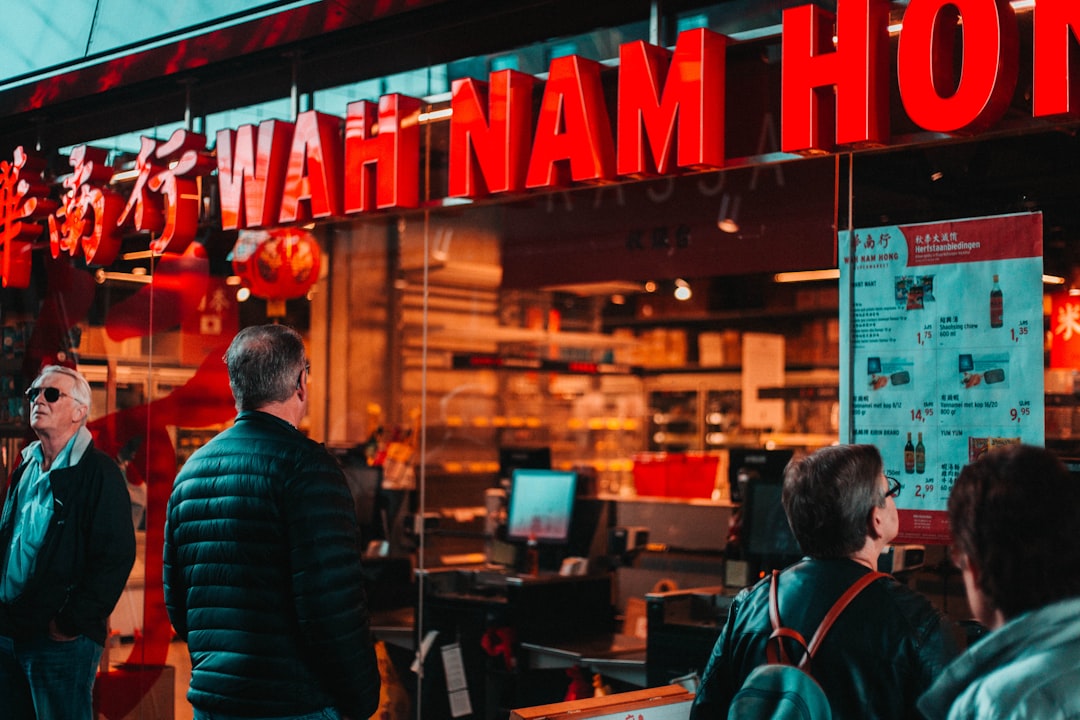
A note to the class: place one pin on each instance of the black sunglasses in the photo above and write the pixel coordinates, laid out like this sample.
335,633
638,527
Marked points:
51,394
894,487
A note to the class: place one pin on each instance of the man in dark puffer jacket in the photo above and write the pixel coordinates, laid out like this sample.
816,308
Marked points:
262,555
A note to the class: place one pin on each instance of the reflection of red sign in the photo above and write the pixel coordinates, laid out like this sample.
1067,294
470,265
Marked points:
1065,327
213,320
279,264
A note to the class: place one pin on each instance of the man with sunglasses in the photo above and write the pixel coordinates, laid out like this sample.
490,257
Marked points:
886,647
67,545
262,555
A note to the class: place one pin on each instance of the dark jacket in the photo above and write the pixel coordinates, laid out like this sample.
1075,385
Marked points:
86,556
263,579
885,649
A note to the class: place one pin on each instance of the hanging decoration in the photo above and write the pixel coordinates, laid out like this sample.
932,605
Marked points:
276,265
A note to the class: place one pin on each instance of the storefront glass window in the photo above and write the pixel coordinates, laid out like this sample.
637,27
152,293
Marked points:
278,109
606,328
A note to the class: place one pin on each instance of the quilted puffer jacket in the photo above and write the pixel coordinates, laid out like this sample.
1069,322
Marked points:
262,576
886,648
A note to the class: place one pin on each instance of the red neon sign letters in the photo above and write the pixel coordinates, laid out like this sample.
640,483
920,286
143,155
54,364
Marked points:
669,117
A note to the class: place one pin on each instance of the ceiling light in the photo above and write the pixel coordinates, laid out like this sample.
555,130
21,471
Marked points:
807,275
682,290
728,218
434,115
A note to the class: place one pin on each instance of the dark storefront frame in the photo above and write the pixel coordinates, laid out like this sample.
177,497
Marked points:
864,188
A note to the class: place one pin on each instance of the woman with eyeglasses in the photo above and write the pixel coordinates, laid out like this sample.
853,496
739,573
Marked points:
886,647
67,544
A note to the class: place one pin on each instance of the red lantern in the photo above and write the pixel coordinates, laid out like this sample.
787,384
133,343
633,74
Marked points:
277,265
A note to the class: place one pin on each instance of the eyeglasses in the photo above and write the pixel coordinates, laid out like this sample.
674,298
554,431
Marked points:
894,487
51,394
307,369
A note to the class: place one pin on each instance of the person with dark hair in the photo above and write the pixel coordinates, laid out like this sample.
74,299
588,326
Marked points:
889,644
262,572
1015,515
67,545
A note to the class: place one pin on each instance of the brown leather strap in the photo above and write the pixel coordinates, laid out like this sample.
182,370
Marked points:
775,650
834,612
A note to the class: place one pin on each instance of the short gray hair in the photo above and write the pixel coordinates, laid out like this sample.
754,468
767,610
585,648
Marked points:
828,497
264,362
80,393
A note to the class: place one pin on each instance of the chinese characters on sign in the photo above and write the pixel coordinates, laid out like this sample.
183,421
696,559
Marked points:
941,331
92,217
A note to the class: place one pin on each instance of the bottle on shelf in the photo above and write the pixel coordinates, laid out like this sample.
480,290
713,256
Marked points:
909,456
997,305
920,456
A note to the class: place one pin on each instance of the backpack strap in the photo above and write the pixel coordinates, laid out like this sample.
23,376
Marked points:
834,612
775,652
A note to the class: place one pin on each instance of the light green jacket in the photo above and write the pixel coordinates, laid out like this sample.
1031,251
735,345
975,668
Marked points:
1028,668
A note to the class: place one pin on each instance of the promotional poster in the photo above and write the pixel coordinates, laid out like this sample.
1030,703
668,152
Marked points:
941,351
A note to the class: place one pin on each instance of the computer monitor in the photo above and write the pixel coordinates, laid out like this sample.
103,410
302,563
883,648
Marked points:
767,537
746,463
1072,464
541,506
513,458
365,485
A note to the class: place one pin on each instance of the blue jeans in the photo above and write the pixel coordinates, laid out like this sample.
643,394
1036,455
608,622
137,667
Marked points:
325,714
46,678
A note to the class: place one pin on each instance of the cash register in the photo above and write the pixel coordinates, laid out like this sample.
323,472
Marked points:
525,600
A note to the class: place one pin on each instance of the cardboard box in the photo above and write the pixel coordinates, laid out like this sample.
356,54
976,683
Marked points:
669,702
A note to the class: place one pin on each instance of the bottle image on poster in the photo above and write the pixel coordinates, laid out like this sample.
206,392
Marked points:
997,305
933,376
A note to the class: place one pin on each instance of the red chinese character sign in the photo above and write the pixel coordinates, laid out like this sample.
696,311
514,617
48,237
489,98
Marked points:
1065,326
164,202
89,217
278,264
23,201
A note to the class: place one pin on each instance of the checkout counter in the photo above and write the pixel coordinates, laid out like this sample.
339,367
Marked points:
516,633
486,632
498,638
